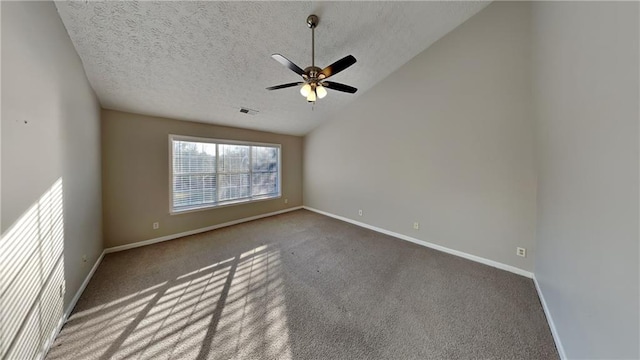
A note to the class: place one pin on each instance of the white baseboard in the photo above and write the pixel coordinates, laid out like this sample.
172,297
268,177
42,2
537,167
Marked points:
447,250
69,309
76,297
552,326
196,231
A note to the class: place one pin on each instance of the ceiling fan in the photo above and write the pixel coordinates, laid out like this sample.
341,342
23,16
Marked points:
314,84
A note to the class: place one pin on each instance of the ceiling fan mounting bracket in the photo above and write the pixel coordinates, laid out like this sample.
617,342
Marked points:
312,21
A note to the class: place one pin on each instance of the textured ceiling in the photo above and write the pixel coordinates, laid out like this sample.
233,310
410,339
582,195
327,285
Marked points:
202,61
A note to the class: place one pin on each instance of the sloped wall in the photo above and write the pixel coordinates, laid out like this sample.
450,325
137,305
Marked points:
445,141
51,197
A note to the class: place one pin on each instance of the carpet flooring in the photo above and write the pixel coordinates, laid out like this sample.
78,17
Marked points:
302,286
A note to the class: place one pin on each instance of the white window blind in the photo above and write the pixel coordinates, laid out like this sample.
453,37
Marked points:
207,173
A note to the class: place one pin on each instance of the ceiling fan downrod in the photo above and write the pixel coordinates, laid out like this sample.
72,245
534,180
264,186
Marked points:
312,22
313,89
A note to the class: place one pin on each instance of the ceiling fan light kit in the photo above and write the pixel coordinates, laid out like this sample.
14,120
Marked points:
314,85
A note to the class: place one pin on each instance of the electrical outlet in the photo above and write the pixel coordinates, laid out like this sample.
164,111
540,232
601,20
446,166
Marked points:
360,212
156,225
416,225
286,201
84,258
521,252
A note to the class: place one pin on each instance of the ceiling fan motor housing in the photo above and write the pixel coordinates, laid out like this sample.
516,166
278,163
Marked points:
313,73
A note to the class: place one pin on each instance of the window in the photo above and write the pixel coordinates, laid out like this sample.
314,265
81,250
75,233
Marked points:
205,173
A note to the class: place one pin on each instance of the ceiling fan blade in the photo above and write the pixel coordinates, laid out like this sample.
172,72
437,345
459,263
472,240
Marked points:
338,66
284,61
285,85
339,87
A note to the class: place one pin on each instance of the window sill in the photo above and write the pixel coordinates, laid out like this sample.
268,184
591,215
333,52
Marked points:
223,204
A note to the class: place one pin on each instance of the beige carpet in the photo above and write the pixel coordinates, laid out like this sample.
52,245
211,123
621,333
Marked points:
302,286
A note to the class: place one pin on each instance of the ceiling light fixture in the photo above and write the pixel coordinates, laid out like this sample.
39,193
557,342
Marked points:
305,90
321,91
312,95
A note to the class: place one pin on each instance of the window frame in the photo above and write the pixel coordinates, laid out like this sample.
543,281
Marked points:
219,204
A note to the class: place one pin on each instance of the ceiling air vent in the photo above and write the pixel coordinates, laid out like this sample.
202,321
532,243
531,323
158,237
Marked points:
248,111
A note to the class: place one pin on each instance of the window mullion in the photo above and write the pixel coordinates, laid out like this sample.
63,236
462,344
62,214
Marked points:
250,171
217,179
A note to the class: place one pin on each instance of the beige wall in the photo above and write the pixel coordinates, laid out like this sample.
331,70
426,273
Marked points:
136,177
586,91
446,141
51,198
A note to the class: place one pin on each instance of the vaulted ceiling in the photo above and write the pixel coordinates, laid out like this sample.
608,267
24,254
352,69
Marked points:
203,61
